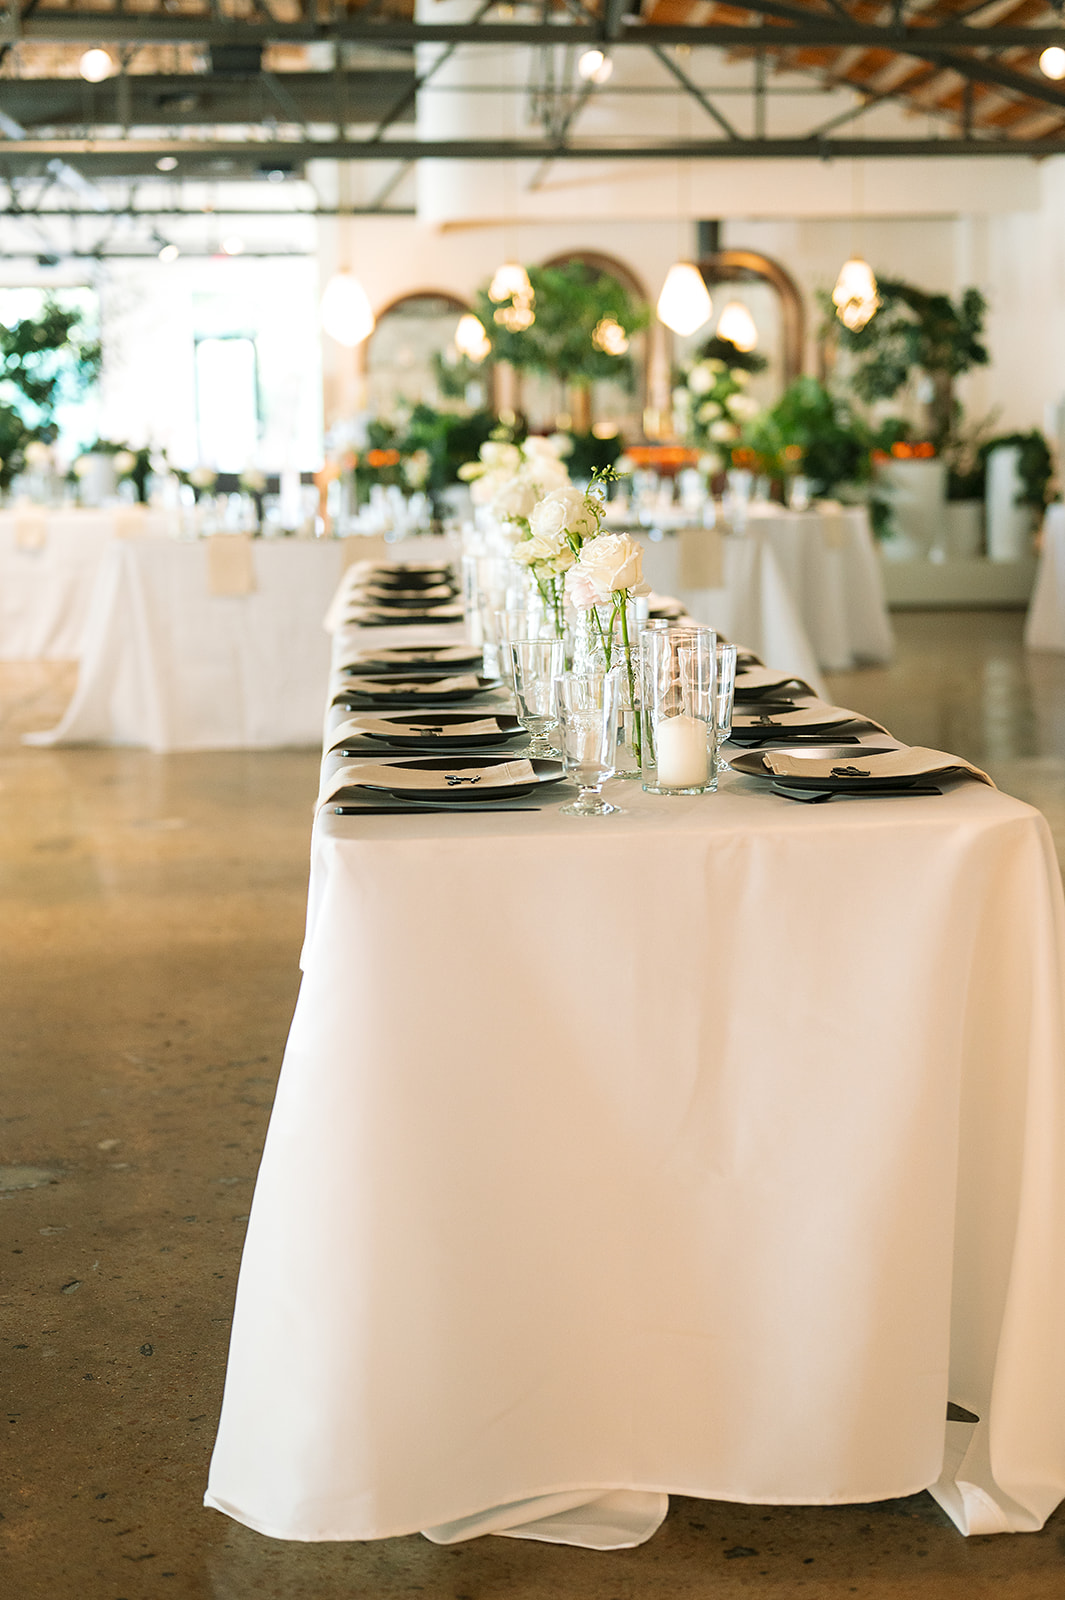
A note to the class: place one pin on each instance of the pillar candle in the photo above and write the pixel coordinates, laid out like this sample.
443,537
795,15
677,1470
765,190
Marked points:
681,744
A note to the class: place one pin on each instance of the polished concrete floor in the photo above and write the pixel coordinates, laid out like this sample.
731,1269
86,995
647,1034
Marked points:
150,924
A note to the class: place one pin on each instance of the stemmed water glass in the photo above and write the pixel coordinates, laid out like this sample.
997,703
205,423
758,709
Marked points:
726,690
588,706
535,665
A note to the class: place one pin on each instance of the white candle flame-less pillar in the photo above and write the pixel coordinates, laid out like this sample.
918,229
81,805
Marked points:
681,747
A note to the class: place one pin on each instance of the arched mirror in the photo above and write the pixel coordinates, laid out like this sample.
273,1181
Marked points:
609,405
773,307
406,358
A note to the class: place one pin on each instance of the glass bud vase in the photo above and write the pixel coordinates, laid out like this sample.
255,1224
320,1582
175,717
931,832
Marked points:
598,641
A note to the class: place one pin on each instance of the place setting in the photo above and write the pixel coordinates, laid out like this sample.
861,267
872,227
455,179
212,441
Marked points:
404,660
818,773
465,783
413,689
458,731
772,721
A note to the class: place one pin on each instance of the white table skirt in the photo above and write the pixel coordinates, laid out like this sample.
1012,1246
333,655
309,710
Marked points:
45,592
171,666
707,1149
1044,627
803,589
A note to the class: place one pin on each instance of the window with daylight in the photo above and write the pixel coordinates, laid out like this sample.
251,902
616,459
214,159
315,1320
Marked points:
227,402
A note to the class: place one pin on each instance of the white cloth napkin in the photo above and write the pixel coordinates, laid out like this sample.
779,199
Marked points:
385,591
912,761
462,779
375,686
439,655
359,727
230,567
810,713
371,611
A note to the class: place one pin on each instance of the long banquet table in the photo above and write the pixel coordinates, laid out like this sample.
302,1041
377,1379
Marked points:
171,665
707,1149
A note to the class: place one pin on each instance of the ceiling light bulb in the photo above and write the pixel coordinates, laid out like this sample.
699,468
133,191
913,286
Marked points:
595,67
166,163
685,303
471,339
510,279
96,65
346,313
169,252
610,337
233,246
737,326
1052,62
855,297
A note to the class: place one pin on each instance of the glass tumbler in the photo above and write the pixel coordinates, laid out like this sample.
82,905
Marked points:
588,706
679,670
536,665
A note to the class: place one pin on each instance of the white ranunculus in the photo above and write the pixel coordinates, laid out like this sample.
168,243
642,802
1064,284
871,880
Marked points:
612,562
741,376
562,443
708,411
549,474
253,481
701,378
124,462
498,455
38,454
203,477
682,399
82,466
538,445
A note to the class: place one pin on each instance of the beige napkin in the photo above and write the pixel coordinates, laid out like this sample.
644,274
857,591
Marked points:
764,678
230,567
31,528
359,727
130,521
371,611
810,712
375,686
702,558
912,761
387,592
396,655
462,779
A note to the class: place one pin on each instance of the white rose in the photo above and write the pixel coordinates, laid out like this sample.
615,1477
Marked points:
82,467
563,511
743,406
38,454
549,474
537,445
723,432
701,378
561,443
253,480
741,376
613,561
495,454
514,499
708,411
202,477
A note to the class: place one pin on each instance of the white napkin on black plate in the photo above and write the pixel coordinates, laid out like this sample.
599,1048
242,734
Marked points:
374,727
460,682
912,761
457,780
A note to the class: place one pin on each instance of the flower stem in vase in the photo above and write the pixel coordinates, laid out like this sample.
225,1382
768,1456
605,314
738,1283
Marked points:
630,712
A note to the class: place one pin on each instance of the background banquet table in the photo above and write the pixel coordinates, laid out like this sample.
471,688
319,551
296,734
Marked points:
48,565
710,1149
170,665
1044,627
803,589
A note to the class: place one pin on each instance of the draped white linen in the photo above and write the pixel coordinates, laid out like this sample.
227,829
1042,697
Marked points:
802,588
170,665
46,579
709,1150
1044,627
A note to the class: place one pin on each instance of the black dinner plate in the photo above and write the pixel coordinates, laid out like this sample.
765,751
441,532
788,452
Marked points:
416,690
465,790
752,764
442,727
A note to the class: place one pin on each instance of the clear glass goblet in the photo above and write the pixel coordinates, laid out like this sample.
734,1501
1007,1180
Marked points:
535,667
726,690
588,705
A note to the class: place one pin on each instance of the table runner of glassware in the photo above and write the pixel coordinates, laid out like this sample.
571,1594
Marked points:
507,687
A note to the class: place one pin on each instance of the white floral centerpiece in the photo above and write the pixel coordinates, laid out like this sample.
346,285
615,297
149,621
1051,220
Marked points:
510,478
710,407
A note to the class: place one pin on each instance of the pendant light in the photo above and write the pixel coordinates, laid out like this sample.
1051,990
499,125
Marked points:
346,313
855,296
738,326
510,281
471,339
684,304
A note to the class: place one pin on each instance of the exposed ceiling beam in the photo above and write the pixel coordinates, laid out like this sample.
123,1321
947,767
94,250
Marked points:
229,159
131,27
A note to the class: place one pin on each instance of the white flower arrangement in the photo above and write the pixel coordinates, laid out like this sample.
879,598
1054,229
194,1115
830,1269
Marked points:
710,407
510,478
252,481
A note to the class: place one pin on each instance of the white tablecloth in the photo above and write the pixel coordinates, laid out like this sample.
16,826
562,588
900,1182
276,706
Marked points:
802,588
1044,627
169,665
706,1149
44,591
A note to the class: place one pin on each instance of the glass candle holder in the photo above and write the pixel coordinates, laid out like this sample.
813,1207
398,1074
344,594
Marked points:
679,671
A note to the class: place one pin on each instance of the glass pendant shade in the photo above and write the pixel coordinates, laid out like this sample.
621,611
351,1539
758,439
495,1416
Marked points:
737,326
684,304
594,66
855,296
511,279
1052,62
96,65
346,313
471,339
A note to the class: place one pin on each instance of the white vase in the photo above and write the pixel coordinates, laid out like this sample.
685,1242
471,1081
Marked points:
918,499
1009,525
